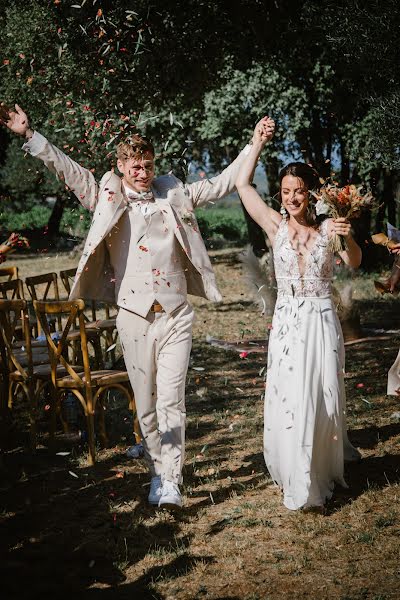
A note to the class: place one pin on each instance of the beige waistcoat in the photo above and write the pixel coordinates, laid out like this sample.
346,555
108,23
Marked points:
147,260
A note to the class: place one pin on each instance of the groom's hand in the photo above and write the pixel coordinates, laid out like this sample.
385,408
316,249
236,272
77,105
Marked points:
264,131
15,120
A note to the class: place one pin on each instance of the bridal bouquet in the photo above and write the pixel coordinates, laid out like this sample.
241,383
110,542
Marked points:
348,202
15,239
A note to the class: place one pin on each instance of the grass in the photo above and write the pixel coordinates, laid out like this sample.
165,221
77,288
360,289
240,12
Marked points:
96,536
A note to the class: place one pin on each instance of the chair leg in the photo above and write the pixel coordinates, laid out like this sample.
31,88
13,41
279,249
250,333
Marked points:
109,343
10,395
98,353
91,438
53,418
32,399
89,410
102,423
76,353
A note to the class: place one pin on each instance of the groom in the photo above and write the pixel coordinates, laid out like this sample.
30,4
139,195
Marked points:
145,252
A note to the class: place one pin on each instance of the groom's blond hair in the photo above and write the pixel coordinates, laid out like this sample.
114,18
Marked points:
134,147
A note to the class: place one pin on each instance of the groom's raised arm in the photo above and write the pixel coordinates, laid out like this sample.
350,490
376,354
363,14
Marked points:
79,180
209,190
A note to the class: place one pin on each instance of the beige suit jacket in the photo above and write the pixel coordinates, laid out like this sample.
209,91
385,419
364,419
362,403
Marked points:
95,278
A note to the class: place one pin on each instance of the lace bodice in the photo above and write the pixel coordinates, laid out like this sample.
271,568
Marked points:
318,267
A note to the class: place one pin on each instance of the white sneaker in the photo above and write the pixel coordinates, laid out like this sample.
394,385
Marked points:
155,490
170,496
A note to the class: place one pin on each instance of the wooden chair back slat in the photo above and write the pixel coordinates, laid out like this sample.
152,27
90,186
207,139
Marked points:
58,351
44,287
12,290
13,312
67,277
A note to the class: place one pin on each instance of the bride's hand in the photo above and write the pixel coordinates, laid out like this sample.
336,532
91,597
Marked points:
264,131
341,226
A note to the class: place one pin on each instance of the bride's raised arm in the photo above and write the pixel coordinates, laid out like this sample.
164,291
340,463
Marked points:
262,214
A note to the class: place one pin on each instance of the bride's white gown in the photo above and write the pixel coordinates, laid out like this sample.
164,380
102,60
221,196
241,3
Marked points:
305,439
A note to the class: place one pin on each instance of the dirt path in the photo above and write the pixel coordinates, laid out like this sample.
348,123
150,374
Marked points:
69,530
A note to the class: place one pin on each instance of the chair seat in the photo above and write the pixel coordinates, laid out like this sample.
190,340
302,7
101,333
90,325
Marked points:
34,343
102,324
99,378
76,335
42,372
40,356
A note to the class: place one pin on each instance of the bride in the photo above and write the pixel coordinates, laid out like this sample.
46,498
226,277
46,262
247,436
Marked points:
305,439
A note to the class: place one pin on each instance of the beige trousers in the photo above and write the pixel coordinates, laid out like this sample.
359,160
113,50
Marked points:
156,350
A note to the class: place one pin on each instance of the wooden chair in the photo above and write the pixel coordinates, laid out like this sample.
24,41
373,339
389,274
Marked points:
45,288
8,273
4,378
24,368
12,289
88,386
107,327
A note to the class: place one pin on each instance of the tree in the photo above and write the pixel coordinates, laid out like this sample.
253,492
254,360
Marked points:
189,70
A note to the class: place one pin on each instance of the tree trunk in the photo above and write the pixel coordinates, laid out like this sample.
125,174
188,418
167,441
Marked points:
327,166
3,147
53,225
388,196
272,172
345,165
256,235
316,141
379,195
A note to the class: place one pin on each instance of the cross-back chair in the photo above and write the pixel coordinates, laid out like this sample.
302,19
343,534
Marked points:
45,288
8,273
22,367
107,327
89,386
4,378
12,289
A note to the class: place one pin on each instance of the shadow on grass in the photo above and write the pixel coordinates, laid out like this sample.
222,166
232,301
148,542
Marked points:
371,436
63,533
372,472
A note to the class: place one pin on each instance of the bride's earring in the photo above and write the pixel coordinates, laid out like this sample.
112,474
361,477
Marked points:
283,212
